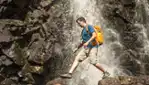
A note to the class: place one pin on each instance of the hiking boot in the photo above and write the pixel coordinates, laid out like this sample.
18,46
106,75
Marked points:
68,75
105,75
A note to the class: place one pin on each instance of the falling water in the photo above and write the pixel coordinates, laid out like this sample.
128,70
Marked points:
141,22
87,74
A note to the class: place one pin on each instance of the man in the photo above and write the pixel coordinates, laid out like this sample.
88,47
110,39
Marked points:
89,51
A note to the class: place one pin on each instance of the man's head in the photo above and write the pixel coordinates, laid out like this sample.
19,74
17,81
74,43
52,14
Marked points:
81,21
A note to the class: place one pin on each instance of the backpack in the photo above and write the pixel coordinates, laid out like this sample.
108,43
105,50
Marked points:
99,38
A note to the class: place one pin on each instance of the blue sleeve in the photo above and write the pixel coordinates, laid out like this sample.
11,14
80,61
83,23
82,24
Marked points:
91,29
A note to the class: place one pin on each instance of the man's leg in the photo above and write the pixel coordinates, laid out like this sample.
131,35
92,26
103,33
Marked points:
97,65
74,66
94,61
105,73
80,57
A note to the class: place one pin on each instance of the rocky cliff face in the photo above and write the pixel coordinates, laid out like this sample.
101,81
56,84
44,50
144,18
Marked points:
127,80
119,80
128,19
36,38
32,40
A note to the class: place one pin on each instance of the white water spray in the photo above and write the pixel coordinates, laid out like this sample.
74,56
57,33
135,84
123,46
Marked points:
87,74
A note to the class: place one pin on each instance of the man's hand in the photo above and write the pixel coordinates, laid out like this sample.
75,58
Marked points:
85,44
92,38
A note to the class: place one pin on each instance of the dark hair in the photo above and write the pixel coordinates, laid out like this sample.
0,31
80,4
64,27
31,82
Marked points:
81,19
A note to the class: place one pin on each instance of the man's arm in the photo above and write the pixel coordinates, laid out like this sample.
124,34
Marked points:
92,31
92,38
79,46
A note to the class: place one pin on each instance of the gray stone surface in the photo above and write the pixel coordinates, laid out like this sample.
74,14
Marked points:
36,38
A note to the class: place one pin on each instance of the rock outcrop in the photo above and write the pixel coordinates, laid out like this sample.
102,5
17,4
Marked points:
31,39
127,19
119,80
127,80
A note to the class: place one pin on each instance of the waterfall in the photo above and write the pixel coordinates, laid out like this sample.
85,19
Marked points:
87,74
141,22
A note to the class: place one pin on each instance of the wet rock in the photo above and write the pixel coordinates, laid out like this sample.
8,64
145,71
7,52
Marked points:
35,29
36,69
125,80
26,75
119,80
32,69
57,81
8,82
9,51
37,55
128,2
28,78
45,28
14,78
128,18
7,62
46,3
1,78
12,22
20,55
110,81
4,38
37,13
13,9
27,39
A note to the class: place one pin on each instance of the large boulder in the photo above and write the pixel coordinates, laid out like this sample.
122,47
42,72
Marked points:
125,80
